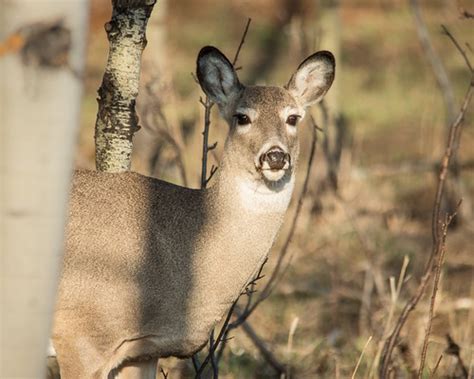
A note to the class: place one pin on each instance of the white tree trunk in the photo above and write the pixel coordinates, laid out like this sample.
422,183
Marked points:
39,117
117,120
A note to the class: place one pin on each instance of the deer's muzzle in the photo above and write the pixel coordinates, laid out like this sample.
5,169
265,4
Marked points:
275,159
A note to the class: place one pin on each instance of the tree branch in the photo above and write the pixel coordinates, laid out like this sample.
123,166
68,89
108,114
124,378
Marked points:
437,269
242,41
207,104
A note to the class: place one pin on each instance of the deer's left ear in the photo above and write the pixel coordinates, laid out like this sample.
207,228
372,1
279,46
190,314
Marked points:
217,76
313,78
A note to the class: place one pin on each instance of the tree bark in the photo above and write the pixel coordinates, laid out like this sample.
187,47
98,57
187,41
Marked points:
117,120
40,95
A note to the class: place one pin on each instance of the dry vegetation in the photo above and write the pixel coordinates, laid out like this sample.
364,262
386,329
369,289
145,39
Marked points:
357,254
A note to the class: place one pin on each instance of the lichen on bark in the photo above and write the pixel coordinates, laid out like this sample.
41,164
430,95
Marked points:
117,120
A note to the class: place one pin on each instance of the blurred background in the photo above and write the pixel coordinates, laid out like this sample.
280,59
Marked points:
371,188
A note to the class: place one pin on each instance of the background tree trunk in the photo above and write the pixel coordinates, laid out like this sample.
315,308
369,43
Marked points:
40,93
330,23
117,120
147,143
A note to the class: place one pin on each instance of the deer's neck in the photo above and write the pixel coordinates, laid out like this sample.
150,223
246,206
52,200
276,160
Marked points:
242,220
241,192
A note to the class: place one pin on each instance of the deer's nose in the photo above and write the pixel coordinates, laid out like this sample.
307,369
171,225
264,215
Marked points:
275,158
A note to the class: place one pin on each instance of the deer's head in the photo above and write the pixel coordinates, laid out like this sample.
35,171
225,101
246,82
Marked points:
262,145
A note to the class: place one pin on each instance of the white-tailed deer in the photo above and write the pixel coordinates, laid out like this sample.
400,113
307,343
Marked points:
151,267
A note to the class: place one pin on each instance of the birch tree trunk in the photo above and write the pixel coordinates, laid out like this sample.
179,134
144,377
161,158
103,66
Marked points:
117,120
40,94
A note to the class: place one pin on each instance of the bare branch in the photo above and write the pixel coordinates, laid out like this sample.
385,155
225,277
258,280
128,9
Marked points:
208,104
212,147
211,174
458,46
196,363
435,368
212,349
165,374
242,41
437,269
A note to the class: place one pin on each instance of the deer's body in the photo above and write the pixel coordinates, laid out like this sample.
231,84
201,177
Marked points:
151,267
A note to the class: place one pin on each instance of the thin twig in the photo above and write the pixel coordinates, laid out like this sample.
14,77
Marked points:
395,295
214,345
242,41
211,174
165,374
458,46
208,104
437,269
435,368
215,370
212,147
196,363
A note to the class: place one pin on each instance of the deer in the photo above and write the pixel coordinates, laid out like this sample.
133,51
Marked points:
149,267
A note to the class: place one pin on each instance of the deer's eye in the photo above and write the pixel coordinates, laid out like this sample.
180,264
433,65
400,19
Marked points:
292,119
242,119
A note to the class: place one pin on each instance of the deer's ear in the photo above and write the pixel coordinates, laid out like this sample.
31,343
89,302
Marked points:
216,75
313,78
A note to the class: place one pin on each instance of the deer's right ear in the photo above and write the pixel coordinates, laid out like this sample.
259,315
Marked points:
313,78
216,75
